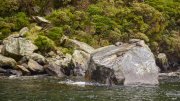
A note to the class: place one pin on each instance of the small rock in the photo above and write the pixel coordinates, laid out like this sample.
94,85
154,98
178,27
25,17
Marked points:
23,31
34,67
134,41
2,70
118,43
14,72
51,54
59,53
36,8
1,46
22,69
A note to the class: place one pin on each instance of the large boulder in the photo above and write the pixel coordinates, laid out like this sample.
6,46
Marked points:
37,57
54,70
34,67
17,47
7,62
22,69
76,45
125,64
80,60
65,64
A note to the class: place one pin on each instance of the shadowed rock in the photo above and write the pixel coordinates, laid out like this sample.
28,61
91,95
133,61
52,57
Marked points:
22,69
54,70
134,41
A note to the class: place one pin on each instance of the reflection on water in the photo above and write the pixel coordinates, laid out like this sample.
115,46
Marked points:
77,89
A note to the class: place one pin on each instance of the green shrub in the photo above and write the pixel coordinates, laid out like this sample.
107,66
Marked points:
25,35
70,51
22,21
94,10
58,18
55,34
5,31
44,44
2,36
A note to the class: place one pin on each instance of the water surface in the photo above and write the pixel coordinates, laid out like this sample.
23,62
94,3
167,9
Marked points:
48,88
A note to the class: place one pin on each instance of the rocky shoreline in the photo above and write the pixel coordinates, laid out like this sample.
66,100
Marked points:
122,63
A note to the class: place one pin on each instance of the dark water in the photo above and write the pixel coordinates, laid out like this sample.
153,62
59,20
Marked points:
63,89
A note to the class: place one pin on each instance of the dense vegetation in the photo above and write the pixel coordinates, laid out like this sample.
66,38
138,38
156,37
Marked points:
100,22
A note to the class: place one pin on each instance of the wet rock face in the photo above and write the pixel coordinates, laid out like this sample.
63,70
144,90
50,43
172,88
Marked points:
34,67
162,62
54,70
2,70
17,47
80,61
135,66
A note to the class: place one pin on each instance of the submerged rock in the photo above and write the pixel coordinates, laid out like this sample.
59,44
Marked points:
17,47
7,62
34,67
54,70
80,61
135,66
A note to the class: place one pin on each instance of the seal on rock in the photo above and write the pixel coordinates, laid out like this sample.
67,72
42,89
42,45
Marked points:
134,41
120,54
118,43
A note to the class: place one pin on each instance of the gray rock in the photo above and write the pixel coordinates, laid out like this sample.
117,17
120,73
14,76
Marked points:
162,62
77,45
36,8
80,60
54,70
2,70
37,57
23,31
14,72
34,67
1,46
134,41
136,66
18,47
7,62
39,19
65,64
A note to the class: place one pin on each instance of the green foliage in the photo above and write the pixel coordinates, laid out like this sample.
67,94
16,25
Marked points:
8,6
2,36
55,34
21,21
25,35
70,51
94,10
43,44
58,18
